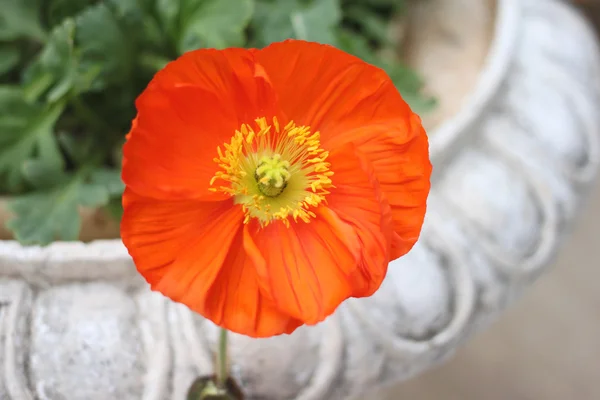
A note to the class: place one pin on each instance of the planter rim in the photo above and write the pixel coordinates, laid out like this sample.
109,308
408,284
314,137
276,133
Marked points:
442,140
454,130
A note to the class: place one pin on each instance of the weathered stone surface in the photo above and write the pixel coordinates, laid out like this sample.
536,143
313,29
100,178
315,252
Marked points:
85,344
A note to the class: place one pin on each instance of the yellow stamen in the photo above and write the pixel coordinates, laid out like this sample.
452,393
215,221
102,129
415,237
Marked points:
275,173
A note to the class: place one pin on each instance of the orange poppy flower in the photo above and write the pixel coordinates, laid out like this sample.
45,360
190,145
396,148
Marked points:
265,187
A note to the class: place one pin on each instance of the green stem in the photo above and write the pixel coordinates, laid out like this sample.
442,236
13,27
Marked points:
222,360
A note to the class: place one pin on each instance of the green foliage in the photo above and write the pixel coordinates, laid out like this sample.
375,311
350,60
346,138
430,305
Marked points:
19,19
51,211
314,21
70,71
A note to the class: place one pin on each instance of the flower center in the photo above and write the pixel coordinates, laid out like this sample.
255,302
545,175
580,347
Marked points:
272,175
273,172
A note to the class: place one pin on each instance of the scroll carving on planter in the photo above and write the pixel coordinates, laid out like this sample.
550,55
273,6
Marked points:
511,169
15,306
555,156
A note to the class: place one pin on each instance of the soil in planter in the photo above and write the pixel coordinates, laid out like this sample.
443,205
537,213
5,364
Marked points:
95,224
447,41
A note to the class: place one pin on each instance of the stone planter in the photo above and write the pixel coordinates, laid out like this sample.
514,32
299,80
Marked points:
511,167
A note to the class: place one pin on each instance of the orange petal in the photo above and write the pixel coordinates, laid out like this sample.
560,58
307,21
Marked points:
403,170
194,105
236,303
169,153
306,269
329,90
232,74
173,241
173,246
358,201
404,173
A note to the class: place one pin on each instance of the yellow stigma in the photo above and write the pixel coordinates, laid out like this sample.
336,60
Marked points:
272,175
275,173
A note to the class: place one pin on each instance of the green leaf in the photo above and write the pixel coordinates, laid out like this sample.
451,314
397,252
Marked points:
92,195
133,16
44,216
160,24
13,105
167,13
53,214
355,44
77,147
43,175
36,84
279,20
372,25
115,208
20,18
212,23
109,179
59,10
386,5
404,77
55,70
9,57
272,21
317,22
62,68
103,46
48,149
24,130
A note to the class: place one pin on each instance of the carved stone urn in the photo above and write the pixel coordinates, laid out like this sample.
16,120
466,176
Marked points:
512,162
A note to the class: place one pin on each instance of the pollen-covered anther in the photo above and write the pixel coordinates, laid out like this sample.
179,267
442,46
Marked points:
274,172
